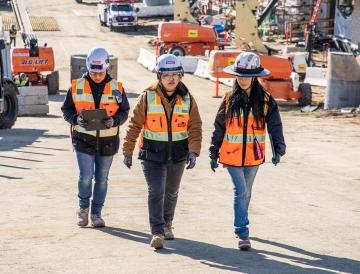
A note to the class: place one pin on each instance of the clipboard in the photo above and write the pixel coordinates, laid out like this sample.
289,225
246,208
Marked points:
94,118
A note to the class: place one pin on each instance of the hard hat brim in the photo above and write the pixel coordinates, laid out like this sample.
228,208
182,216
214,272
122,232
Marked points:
230,70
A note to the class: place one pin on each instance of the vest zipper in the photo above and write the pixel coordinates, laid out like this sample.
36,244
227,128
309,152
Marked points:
246,115
170,134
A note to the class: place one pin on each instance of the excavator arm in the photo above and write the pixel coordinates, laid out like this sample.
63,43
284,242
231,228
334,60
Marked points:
247,22
182,12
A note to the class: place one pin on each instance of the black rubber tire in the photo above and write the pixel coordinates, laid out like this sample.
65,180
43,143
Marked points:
11,107
111,28
136,28
177,51
306,93
101,22
53,82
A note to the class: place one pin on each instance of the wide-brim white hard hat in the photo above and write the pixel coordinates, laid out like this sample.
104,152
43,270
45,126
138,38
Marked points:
247,64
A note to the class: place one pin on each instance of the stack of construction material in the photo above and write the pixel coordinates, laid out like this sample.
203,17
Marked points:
33,100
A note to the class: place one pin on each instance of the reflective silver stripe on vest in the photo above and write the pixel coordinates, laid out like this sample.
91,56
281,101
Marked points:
80,83
103,133
184,107
164,137
156,136
238,138
178,136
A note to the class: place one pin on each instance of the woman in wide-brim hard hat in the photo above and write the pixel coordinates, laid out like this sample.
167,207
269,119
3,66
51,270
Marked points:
238,140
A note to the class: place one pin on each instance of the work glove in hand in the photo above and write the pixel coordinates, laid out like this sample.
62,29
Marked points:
81,122
127,161
276,159
109,122
191,160
213,164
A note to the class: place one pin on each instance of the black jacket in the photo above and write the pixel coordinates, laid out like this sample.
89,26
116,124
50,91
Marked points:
273,122
86,143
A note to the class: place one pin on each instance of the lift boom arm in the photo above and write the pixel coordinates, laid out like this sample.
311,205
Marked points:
23,20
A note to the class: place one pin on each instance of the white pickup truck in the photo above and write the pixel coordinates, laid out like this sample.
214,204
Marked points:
117,14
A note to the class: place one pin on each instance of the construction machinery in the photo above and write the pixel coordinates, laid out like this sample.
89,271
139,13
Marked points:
185,36
37,62
8,90
283,83
118,14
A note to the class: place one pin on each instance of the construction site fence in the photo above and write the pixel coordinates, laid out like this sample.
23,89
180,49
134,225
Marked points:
297,28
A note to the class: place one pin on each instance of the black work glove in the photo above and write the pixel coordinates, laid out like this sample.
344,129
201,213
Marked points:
81,122
213,164
127,160
191,160
109,122
276,159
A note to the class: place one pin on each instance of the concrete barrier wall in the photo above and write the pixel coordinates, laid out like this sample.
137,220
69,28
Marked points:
33,100
343,81
148,59
316,76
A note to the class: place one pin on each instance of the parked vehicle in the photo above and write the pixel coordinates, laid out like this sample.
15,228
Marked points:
118,14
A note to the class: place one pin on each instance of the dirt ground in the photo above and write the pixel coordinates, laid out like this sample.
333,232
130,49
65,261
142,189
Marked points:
304,213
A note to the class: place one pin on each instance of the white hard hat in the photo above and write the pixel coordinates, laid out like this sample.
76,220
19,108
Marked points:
22,76
247,64
97,60
168,63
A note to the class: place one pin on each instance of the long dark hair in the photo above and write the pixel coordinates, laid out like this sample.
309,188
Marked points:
239,102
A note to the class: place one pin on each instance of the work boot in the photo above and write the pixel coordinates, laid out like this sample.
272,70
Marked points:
244,243
157,241
97,221
83,216
168,232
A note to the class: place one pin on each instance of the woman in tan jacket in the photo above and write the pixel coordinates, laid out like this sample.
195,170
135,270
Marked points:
168,121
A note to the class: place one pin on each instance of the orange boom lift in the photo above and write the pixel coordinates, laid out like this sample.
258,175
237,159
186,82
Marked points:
35,61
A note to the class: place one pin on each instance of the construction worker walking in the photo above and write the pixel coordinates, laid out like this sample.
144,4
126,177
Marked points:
12,34
95,148
238,140
168,118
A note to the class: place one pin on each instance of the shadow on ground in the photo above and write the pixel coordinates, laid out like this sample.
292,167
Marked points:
17,138
254,261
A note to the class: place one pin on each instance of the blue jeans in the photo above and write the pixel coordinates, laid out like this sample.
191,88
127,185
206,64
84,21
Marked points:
242,178
90,165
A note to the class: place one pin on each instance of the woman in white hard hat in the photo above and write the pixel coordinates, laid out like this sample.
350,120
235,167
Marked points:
238,140
168,119
95,148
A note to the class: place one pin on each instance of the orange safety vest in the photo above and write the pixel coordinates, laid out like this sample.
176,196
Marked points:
84,100
238,147
157,133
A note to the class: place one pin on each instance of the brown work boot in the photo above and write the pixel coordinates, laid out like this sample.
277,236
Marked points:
244,243
168,232
83,216
157,241
97,221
